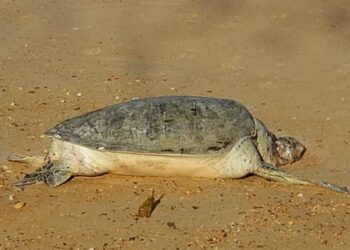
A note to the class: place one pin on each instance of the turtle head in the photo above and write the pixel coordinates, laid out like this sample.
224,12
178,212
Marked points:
288,150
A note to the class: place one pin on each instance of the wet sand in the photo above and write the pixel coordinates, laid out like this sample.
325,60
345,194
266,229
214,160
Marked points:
288,62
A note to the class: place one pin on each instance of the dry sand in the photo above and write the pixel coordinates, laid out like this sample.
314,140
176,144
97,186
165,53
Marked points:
287,61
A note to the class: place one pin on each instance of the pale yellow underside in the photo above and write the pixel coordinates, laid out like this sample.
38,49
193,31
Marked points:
86,161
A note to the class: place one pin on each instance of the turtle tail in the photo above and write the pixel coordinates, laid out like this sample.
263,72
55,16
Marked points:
53,174
271,172
35,161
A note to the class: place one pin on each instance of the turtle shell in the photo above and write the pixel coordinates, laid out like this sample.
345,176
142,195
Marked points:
168,124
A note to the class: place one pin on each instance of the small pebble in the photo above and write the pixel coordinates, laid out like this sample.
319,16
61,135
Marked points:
4,168
79,94
300,195
19,204
31,137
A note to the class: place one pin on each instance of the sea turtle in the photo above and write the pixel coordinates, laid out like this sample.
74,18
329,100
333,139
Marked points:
168,136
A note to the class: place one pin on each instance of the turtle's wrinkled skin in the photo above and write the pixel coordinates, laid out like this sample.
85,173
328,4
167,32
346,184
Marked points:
170,136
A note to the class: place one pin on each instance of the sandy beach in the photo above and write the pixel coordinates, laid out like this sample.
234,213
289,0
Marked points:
287,61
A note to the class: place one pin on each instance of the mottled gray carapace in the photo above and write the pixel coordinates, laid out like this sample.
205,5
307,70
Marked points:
168,124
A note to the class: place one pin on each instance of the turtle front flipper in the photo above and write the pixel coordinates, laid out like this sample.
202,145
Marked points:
271,172
53,174
35,161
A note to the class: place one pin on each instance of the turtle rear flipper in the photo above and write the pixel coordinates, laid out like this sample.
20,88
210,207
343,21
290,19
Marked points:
271,172
53,174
